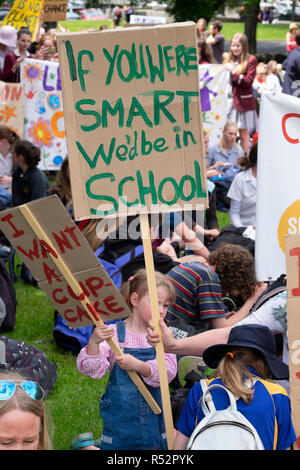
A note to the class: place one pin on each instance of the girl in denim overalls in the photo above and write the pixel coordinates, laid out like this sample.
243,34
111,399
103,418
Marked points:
128,421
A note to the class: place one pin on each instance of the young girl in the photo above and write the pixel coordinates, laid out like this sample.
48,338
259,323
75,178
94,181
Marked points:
242,67
242,366
12,61
128,421
242,192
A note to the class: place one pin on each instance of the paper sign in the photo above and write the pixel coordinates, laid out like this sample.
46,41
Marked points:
277,191
133,120
12,106
144,19
68,244
55,10
43,111
292,244
26,14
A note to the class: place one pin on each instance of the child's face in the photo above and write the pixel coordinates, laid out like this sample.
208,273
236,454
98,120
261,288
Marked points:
236,48
143,308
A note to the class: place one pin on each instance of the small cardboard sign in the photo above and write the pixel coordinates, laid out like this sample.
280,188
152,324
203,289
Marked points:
63,241
133,120
24,14
292,245
55,10
12,106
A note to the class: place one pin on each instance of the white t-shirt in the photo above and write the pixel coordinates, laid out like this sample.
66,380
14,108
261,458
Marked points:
243,189
6,167
273,315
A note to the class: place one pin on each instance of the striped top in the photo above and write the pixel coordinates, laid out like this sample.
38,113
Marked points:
198,293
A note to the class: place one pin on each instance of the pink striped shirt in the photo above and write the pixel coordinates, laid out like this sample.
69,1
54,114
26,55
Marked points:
96,366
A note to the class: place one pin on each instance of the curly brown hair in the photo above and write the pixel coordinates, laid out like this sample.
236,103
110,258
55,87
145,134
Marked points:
235,267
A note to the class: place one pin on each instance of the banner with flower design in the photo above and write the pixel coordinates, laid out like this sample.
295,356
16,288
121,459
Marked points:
43,111
215,99
12,106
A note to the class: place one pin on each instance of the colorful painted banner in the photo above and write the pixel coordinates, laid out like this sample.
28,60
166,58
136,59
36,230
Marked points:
278,194
43,111
214,84
133,120
12,106
26,14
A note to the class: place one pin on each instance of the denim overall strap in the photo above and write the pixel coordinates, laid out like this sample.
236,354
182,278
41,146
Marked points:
128,421
121,331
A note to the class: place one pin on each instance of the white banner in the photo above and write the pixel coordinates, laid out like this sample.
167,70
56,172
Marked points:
43,111
214,88
278,189
145,19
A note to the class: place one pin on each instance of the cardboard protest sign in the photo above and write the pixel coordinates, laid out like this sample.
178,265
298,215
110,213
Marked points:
214,81
292,244
277,193
55,10
133,120
68,244
26,14
12,106
43,111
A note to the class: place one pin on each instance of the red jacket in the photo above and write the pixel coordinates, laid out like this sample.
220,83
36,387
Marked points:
243,96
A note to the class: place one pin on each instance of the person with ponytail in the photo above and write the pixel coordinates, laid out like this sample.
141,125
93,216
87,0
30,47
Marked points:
28,181
243,366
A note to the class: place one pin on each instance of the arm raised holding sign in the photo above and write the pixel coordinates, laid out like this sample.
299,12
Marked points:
120,403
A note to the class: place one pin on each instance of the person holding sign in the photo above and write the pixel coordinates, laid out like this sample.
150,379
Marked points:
242,67
124,427
11,68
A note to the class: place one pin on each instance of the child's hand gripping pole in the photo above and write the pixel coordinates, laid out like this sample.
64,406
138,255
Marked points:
76,288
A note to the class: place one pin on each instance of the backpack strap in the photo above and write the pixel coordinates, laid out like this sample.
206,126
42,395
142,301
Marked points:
2,353
121,331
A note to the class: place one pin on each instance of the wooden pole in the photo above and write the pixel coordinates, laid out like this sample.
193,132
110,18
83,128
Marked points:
160,353
76,288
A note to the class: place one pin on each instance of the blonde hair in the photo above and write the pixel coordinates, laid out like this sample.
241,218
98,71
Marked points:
233,371
225,129
242,38
139,284
22,401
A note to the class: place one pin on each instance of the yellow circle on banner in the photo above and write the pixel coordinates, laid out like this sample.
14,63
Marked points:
289,223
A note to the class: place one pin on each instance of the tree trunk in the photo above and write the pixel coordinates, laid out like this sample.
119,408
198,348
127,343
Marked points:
250,23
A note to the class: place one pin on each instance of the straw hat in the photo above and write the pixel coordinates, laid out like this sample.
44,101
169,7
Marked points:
293,26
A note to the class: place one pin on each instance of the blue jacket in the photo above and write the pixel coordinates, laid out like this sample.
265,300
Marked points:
291,65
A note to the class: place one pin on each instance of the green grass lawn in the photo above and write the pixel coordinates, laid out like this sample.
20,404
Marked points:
73,402
275,32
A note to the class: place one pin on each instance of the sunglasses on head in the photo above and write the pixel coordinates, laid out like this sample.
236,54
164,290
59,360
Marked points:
32,389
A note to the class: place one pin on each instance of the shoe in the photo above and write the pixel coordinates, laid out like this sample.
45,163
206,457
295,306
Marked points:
83,440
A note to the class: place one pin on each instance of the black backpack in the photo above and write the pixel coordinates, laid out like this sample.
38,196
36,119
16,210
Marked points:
8,300
28,361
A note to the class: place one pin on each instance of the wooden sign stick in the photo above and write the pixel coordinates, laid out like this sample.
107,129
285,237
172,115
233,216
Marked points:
76,288
160,353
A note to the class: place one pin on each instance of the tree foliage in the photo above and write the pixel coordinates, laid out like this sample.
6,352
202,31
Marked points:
192,10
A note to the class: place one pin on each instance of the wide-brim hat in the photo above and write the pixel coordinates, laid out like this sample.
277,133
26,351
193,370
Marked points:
8,36
256,337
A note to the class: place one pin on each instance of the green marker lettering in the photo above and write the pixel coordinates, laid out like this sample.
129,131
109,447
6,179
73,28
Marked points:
160,106
173,182
117,109
136,109
88,112
71,60
106,158
120,192
187,95
112,61
154,69
100,197
144,190
81,71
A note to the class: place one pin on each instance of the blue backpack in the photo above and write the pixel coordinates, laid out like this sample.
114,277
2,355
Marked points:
76,339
